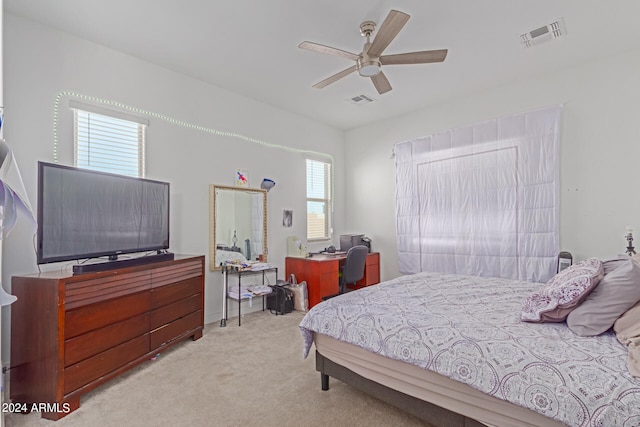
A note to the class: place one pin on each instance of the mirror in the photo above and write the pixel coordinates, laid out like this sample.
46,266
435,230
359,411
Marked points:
237,225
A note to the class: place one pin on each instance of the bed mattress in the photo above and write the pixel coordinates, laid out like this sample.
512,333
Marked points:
468,329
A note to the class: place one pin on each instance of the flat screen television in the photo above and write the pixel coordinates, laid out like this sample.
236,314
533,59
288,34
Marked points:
89,214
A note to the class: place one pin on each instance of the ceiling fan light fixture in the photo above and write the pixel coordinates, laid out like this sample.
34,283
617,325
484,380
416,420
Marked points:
368,68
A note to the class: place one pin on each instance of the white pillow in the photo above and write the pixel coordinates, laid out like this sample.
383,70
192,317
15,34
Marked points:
616,293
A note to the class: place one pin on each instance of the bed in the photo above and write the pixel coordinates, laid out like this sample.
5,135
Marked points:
229,254
454,351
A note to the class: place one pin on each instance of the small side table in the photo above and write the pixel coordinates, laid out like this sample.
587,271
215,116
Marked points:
234,270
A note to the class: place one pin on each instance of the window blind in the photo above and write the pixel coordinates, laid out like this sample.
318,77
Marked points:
108,144
318,199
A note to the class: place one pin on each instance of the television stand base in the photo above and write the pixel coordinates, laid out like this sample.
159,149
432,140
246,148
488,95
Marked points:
121,263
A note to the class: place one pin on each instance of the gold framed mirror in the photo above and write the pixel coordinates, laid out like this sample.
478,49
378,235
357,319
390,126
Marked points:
237,225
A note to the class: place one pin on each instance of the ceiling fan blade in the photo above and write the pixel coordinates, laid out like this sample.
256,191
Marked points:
389,29
381,83
422,57
315,47
335,77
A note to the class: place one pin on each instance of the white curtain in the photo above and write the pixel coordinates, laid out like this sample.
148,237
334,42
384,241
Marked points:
483,199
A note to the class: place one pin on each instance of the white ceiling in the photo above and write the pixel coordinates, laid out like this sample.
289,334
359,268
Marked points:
250,46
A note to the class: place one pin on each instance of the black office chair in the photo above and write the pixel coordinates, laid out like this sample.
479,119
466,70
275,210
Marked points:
352,270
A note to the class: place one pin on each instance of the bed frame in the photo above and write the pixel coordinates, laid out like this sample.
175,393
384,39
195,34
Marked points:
435,415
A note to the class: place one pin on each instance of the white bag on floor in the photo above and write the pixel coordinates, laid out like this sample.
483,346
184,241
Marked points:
300,294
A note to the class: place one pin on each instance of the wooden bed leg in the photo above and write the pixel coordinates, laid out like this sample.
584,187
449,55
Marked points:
324,379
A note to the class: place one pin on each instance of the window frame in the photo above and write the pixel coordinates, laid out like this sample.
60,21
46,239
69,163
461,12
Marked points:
136,156
326,199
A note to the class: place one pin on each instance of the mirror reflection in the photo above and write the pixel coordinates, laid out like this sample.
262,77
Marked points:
238,225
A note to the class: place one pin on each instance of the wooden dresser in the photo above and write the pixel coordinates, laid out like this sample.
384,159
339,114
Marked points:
71,333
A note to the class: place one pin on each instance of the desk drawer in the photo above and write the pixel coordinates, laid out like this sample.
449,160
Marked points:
80,374
372,269
92,343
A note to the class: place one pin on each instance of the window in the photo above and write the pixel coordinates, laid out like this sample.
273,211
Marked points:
108,143
318,200
482,200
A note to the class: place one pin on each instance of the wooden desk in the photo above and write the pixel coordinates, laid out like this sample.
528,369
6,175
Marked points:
321,274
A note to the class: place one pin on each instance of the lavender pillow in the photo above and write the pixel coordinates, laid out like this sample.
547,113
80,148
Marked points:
564,292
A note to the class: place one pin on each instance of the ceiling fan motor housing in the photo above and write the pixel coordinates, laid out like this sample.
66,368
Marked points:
368,66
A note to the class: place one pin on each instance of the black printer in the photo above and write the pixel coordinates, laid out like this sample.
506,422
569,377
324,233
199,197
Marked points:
347,241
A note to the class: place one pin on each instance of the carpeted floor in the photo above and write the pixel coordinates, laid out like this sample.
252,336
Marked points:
252,375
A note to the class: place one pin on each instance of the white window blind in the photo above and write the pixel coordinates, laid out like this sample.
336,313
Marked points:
109,144
318,200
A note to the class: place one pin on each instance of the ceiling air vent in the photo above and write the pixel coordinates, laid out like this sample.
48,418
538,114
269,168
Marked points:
543,34
361,100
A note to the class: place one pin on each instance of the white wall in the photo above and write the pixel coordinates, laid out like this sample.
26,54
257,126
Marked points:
600,149
41,63
598,155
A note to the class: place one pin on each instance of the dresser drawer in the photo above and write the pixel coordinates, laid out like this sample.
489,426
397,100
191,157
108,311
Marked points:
175,273
75,376
98,289
170,293
88,318
89,344
176,310
169,332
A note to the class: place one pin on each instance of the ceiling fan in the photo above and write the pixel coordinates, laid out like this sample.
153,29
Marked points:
370,61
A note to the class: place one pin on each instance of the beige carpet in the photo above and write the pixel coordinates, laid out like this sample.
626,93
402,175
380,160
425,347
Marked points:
252,375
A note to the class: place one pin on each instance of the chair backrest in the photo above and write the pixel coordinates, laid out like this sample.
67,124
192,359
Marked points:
354,264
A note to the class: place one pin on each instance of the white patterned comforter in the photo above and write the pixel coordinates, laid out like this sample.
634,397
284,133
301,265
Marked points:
469,329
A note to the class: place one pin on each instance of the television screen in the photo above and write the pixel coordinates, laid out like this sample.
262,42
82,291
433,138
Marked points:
88,214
